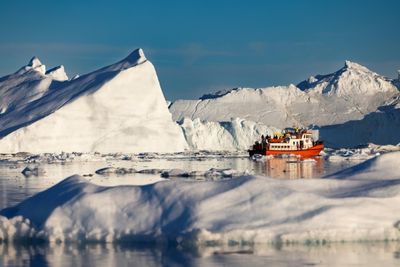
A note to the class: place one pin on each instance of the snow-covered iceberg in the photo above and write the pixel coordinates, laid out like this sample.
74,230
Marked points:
347,95
357,204
119,108
270,106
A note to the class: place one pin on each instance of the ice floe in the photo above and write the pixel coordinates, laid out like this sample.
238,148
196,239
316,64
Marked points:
32,171
211,174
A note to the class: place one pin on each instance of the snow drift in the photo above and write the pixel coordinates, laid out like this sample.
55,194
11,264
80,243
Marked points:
119,108
362,204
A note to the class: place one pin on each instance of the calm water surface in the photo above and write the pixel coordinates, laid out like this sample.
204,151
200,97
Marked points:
374,254
15,187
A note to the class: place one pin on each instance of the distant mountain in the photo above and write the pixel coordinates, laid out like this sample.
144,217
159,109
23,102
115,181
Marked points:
347,94
119,108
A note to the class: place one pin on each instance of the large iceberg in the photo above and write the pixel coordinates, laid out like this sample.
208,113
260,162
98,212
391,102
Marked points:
353,95
119,108
357,204
348,94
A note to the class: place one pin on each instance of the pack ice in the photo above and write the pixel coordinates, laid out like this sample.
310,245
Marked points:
119,108
357,204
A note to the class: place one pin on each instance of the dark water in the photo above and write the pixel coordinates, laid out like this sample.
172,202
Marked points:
14,187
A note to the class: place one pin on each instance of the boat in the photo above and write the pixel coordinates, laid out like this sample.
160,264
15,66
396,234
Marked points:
295,141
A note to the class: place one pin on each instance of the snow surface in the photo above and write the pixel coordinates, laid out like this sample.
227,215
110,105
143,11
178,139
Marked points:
357,204
119,108
353,95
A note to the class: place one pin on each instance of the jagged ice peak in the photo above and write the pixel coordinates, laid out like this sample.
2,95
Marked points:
34,62
57,73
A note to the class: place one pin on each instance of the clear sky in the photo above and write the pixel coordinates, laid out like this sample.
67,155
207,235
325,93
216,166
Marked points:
203,46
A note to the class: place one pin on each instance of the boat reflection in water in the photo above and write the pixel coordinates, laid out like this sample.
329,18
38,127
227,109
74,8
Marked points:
291,167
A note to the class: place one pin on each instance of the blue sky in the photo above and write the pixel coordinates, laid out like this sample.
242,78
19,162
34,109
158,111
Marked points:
203,46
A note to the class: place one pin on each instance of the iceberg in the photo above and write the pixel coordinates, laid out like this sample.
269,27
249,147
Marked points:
119,108
353,100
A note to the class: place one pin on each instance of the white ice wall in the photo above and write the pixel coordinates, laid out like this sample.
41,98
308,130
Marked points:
232,135
127,113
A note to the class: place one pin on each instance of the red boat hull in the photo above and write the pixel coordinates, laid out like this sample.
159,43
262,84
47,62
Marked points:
310,152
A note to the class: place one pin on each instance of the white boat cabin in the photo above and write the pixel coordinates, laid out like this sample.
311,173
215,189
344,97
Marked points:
293,142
